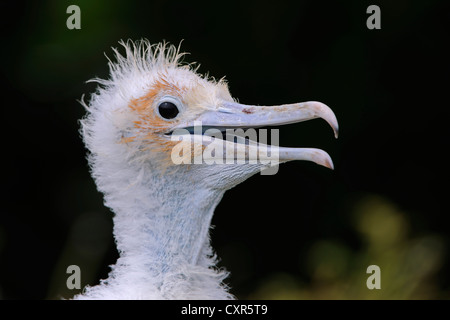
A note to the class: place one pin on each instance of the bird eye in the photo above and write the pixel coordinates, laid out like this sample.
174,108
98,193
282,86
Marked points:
168,110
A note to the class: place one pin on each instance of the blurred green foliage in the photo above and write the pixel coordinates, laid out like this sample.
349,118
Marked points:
336,271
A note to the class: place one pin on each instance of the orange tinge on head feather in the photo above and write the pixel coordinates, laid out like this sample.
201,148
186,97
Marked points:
150,125
142,106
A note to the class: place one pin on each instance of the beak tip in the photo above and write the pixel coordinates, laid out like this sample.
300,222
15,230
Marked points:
334,125
329,164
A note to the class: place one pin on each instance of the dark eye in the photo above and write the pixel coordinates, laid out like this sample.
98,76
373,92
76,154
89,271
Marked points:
168,110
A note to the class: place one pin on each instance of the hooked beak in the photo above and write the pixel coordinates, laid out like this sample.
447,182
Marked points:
232,115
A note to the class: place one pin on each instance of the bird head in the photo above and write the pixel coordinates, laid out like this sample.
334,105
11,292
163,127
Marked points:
156,110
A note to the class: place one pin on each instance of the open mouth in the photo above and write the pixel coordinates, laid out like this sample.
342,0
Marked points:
243,135
248,129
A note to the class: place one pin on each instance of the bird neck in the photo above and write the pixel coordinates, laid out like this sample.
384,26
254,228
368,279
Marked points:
166,226
161,227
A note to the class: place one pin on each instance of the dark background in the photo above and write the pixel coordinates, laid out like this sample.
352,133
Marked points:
305,232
